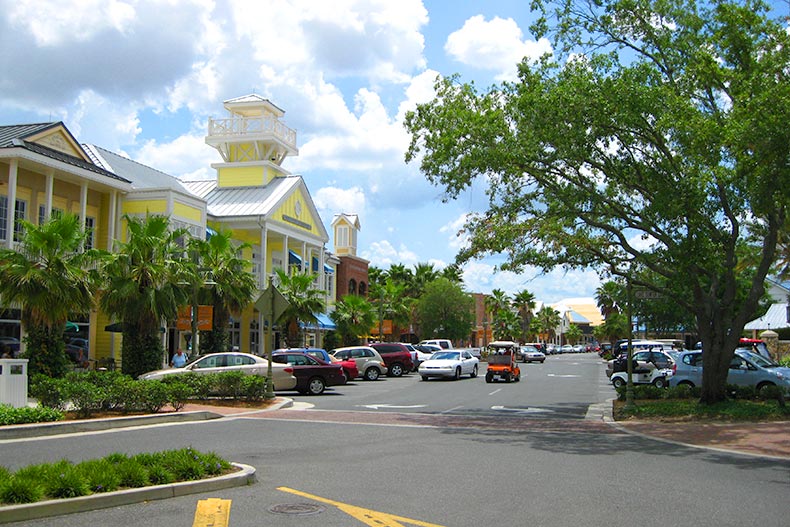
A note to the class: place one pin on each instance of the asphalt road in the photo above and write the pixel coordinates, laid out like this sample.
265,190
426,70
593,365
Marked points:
464,453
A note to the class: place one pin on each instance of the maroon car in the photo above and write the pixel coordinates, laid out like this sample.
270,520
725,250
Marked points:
396,356
312,375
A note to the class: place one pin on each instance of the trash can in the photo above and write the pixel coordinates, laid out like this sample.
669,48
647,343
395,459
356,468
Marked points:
13,382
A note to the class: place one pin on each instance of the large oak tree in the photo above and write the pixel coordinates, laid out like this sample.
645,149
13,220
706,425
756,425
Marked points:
654,141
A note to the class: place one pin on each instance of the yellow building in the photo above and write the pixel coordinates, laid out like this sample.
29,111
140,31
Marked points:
44,169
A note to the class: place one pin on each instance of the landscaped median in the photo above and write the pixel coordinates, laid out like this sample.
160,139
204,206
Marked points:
68,488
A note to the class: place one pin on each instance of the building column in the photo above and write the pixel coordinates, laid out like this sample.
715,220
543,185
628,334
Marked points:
49,184
286,259
305,263
83,209
264,262
10,220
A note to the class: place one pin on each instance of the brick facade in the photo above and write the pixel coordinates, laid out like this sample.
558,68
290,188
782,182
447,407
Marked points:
352,268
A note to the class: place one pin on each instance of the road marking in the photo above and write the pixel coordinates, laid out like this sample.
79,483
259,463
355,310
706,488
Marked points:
523,410
452,409
495,391
378,406
366,516
563,376
212,512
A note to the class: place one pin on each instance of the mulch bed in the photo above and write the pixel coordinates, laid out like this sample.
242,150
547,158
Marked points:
228,403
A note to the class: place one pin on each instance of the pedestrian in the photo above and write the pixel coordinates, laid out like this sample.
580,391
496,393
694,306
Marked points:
179,359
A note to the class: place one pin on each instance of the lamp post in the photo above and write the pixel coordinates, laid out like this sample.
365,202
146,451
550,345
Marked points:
269,384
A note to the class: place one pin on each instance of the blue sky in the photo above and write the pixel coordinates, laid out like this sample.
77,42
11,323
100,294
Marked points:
142,78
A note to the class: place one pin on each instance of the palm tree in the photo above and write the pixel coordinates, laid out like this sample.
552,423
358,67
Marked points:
230,285
354,316
304,302
146,280
524,302
547,320
399,274
49,278
606,296
390,303
424,273
496,302
453,273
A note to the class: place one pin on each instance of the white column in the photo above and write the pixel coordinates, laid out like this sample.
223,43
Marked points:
112,219
305,263
264,264
286,263
9,222
50,184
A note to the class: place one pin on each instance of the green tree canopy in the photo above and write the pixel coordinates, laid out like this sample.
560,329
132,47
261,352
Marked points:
445,311
354,317
305,302
654,138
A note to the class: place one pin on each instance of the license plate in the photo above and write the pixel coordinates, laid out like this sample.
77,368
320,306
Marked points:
497,377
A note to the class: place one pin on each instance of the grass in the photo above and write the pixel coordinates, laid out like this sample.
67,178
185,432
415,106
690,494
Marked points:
733,410
64,479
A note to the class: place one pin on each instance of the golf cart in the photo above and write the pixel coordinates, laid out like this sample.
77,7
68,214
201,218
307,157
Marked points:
658,377
502,365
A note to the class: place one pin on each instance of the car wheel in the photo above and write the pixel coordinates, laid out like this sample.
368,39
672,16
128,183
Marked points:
762,386
507,377
396,370
618,382
686,383
518,377
424,377
474,372
661,382
489,377
542,361
371,374
316,386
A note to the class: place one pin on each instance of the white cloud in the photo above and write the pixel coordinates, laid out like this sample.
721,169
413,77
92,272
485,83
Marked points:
382,254
180,157
456,241
333,200
495,45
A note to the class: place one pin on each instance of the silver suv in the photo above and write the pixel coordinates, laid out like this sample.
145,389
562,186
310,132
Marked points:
369,362
746,369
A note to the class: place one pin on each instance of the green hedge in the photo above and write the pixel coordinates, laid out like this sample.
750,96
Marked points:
91,392
64,479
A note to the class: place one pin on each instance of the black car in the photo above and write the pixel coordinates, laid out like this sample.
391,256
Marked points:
312,375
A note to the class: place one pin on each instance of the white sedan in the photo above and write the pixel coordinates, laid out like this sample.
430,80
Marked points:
452,364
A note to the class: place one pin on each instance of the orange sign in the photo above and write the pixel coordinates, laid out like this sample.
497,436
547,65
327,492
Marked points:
205,316
386,328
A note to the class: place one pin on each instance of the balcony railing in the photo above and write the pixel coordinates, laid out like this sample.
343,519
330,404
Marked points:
238,126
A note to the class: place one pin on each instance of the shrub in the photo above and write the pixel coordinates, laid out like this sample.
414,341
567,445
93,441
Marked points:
185,464
16,416
253,387
132,474
20,490
201,385
229,384
178,394
48,391
65,481
100,475
85,397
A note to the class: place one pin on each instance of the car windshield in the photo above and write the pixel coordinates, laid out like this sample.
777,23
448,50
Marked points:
445,355
759,360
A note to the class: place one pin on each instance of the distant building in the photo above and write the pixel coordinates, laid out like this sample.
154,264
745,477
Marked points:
352,271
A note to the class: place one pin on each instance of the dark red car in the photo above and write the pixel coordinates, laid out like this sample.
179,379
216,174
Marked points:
397,357
312,375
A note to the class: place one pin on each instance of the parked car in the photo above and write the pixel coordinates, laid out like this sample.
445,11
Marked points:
746,369
531,354
445,344
396,356
312,375
414,357
567,348
645,360
424,352
349,367
369,363
450,364
282,375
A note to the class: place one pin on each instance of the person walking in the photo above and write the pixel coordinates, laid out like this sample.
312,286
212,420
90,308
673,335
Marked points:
179,359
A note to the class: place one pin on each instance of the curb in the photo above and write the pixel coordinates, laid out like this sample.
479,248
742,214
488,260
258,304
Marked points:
94,425
45,509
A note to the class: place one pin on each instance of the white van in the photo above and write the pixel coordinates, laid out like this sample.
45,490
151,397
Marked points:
445,344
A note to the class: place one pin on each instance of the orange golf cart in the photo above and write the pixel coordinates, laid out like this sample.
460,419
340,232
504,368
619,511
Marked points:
502,365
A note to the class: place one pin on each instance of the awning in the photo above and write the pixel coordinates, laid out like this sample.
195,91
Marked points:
295,259
71,326
324,322
210,232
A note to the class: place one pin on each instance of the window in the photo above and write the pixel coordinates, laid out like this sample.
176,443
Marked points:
90,232
21,207
254,337
342,236
352,287
234,334
54,213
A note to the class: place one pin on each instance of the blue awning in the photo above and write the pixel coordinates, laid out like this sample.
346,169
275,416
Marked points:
324,322
210,232
327,269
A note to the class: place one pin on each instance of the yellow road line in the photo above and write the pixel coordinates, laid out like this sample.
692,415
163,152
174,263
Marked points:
212,512
366,516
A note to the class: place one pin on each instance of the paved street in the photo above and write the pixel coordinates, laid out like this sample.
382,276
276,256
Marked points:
464,453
